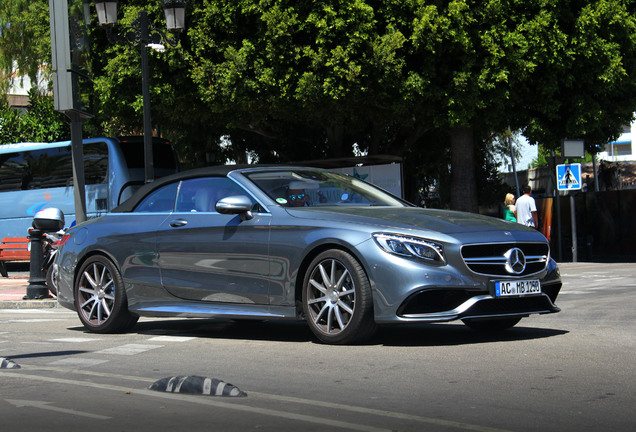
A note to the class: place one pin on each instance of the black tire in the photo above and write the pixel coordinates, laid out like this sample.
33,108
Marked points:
100,298
51,280
491,325
337,299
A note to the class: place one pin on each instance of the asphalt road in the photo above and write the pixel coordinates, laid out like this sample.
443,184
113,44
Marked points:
568,371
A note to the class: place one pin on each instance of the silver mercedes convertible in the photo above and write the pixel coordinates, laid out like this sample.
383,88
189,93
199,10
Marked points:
275,243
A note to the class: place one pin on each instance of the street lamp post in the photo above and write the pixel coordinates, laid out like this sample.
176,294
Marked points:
145,88
144,34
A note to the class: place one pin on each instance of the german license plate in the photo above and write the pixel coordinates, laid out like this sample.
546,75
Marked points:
517,288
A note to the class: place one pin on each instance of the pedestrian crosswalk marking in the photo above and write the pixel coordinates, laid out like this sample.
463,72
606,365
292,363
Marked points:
74,340
129,349
171,339
78,362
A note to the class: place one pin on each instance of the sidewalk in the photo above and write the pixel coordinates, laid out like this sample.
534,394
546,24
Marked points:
14,288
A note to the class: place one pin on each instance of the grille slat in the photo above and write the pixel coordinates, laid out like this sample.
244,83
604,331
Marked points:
489,259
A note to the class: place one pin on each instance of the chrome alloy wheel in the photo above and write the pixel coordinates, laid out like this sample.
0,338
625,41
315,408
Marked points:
96,294
331,296
100,297
337,299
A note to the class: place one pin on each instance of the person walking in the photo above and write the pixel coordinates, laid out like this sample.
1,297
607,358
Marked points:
509,208
526,208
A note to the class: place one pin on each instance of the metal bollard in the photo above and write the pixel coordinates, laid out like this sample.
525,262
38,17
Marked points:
37,288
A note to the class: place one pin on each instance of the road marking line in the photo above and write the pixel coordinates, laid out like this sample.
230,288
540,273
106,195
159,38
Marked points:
29,320
45,406
171,339
353,408
205,401
129,349
380,412
38,311
75,340
78,362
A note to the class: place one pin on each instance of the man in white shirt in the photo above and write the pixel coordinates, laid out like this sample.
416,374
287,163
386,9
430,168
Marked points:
526,208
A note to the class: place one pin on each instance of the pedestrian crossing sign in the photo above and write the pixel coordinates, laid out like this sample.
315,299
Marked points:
568,176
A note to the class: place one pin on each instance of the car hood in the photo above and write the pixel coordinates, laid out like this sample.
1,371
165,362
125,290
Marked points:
444,221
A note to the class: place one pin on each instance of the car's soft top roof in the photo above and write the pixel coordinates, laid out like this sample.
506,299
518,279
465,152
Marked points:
213,171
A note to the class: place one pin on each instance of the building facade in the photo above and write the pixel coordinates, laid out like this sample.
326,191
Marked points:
623,149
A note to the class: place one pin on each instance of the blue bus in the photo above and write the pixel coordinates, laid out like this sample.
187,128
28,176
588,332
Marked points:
34,176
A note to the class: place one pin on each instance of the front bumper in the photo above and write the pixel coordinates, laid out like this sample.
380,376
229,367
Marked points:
447,293
446,305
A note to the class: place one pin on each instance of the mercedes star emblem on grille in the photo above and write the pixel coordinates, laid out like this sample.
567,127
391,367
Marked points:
515,261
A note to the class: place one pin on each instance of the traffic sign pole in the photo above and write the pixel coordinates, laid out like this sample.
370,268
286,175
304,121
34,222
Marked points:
569,179
574,240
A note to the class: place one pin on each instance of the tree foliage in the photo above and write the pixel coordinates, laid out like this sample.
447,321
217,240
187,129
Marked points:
40,123
382,74
428,80
24,39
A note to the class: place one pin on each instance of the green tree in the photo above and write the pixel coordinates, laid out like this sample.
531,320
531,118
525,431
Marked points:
382,74
428,80
40,123
25,44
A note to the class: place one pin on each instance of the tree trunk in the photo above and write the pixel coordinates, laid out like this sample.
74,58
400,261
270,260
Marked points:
463,183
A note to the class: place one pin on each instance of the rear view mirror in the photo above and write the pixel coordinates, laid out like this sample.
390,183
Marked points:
238,204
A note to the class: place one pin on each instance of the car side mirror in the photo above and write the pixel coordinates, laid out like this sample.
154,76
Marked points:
238,204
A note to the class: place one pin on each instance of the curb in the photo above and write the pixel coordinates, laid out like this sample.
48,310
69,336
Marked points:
29,304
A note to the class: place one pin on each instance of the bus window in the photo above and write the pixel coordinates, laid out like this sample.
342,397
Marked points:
50,168
35,169
34,176
95,163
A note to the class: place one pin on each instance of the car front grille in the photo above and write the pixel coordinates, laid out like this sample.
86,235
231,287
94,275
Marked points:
493,258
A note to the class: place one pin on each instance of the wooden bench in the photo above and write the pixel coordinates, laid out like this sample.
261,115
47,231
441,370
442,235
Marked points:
13,249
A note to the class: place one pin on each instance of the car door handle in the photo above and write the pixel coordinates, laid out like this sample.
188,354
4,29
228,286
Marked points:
178,223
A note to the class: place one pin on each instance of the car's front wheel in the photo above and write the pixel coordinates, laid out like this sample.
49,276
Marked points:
496,324
100,298
337,299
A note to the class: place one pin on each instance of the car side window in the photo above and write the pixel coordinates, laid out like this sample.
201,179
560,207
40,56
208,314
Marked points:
202,194
159,201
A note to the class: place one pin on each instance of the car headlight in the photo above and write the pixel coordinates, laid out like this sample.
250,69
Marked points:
411,247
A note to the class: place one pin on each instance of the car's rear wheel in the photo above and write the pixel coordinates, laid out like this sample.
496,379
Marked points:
496,324
100,298
337,299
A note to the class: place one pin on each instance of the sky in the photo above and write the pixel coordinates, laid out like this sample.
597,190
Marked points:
528,153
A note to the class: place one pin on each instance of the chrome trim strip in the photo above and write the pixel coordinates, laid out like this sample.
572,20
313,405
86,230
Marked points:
495,260
451,314
211,310
454,313
500,261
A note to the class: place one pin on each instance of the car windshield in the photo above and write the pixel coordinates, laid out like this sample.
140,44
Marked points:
305,188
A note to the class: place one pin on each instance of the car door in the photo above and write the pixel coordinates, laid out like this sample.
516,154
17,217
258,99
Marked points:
131,239
207,256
